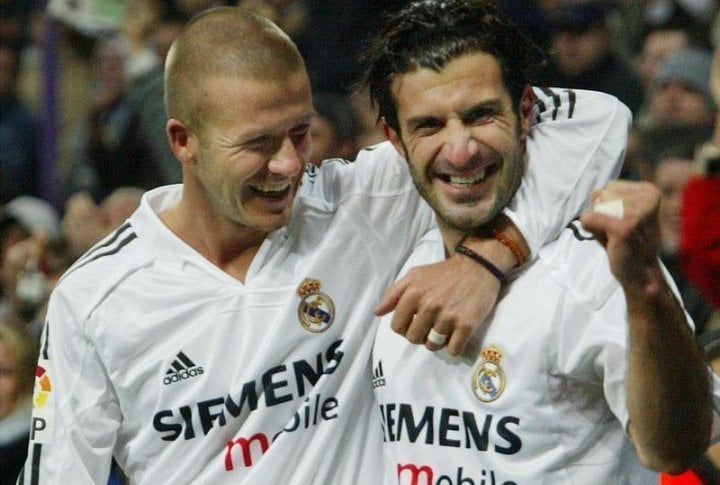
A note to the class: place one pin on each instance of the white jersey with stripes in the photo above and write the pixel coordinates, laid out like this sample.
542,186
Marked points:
156,357
538,399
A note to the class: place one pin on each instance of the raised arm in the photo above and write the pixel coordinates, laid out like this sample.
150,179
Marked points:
668,390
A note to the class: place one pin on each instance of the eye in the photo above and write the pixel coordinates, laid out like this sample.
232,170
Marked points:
425,126
263,144
481,115
300,134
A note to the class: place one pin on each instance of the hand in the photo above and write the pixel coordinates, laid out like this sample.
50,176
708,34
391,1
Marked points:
453,297
633,240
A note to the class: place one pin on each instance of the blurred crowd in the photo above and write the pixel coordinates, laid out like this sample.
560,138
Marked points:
82,130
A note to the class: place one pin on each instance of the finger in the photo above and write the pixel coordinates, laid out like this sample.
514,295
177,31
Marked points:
613,190
391,298
404,314
439,326
420,326
598,225
435,340
611,207
459,340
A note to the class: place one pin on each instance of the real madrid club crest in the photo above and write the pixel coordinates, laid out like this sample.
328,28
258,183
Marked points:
316,311
488,380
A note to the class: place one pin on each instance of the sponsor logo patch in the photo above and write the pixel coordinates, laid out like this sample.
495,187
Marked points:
378,376
181,368
42,415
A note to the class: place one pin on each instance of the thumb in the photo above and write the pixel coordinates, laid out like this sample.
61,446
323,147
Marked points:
596,223
390,299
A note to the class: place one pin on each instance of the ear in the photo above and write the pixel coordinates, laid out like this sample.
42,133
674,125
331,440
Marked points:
181,141
393,136
526,111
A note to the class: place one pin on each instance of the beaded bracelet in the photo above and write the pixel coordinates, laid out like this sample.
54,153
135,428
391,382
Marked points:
521,256
485,263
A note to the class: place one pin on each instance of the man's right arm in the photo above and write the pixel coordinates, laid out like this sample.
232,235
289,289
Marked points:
75,414
667,384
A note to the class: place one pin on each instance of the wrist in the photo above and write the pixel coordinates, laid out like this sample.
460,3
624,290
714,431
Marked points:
492,250
645,287
464,251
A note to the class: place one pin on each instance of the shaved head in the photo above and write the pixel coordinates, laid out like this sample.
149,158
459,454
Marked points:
225,41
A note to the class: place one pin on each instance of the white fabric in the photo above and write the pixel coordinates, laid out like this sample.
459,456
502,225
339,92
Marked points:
117,324
162,359
577,128
560,418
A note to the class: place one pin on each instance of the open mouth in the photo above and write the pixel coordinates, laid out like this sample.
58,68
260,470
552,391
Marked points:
469,180
271,190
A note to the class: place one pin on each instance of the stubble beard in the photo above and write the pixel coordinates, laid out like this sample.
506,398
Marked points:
473,222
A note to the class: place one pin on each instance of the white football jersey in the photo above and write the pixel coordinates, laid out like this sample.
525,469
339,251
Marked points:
539,398
155,356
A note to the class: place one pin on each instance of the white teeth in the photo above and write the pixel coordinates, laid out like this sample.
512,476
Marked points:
271,188
468,181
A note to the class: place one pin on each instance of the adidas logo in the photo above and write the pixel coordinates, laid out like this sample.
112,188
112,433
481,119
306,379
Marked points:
378,376
180,369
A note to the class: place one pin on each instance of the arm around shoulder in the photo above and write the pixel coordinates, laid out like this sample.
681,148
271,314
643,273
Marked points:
576,145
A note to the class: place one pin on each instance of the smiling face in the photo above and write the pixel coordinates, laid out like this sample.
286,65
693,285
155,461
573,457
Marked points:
245,162
462,138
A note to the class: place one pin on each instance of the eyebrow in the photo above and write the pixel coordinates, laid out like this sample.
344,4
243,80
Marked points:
417,122
262,136
491,105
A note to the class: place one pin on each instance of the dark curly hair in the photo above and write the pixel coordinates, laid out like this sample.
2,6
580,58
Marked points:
431,33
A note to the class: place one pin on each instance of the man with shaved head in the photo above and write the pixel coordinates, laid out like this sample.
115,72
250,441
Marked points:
223,333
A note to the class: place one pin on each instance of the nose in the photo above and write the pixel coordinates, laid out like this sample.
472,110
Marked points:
287,161
459,145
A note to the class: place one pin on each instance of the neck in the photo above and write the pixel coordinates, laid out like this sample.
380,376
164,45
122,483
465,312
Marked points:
228,245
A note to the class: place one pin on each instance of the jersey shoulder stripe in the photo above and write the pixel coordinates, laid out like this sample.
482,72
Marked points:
551,103
105,243
113,244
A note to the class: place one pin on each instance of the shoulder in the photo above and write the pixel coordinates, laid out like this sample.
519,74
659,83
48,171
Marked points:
553,104
135,244
378,169
577,128
429,249
100,269
578,264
